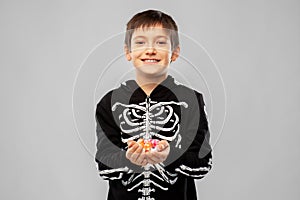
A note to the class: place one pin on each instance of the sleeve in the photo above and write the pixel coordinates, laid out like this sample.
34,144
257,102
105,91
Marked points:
110,154
196,161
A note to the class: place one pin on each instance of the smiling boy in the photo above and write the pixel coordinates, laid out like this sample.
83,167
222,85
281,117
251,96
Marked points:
153,135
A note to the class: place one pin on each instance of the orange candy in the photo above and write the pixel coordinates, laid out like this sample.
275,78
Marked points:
147,146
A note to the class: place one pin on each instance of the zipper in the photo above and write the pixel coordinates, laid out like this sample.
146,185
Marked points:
147,135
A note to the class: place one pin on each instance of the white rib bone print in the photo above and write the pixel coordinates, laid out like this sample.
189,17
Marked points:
148,118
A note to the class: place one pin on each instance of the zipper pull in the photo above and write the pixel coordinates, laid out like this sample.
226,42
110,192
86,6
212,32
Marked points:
148,99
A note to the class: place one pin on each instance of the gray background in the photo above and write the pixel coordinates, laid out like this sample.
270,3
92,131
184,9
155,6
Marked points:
254,43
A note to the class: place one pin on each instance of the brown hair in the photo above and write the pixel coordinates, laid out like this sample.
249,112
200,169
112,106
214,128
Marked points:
151,18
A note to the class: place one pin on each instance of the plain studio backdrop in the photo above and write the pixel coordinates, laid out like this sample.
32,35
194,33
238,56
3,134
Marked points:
255,45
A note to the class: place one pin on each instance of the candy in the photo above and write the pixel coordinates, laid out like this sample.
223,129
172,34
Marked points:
154,142
148,145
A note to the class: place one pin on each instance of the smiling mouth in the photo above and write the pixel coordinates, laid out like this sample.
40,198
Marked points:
150,60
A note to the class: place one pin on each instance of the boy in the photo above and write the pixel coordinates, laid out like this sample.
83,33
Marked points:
153,136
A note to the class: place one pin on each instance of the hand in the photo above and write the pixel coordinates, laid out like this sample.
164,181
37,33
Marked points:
136,154
160,154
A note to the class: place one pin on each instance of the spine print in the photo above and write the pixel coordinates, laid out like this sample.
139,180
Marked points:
149,117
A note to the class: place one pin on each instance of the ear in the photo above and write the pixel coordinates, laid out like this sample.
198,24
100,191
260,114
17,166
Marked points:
175,54
127,53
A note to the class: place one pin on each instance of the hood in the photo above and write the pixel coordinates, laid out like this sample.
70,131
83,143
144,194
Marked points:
132,86
130,92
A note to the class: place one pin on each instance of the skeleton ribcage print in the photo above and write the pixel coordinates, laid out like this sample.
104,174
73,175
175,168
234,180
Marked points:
150,120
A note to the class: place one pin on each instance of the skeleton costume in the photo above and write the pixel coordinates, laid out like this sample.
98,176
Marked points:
172,112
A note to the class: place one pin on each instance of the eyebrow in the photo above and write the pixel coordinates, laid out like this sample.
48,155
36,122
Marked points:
141,36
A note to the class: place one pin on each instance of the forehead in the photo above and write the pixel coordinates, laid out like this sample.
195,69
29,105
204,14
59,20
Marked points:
150,32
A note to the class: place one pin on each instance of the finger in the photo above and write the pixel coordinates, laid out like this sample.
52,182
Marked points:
154,157
131,150
150,161
140,140
154,160
133,147
130,143
140,158
136,153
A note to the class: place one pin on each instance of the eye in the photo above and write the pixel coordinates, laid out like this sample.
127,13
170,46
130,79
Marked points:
161,42
139,42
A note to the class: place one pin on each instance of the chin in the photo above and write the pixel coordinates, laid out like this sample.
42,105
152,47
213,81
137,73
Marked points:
152,73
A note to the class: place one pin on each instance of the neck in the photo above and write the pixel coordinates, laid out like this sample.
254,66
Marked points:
148,84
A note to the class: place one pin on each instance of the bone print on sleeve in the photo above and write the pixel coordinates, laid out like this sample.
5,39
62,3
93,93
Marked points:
196,161
111,153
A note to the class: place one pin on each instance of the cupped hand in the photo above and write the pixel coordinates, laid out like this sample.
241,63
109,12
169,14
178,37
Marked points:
160,154
136,154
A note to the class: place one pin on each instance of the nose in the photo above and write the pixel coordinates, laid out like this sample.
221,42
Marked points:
150,51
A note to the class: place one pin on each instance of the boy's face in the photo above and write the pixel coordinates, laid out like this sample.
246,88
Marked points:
151,51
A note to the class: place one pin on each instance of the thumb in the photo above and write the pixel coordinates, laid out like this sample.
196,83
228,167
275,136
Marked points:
162,145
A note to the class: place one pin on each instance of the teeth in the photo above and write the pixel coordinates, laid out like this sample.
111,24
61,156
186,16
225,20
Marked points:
150,60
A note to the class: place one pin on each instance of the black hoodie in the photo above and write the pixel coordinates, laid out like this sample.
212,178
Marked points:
172,112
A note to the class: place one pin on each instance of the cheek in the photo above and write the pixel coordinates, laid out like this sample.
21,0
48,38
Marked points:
136,54
167,55
165,52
